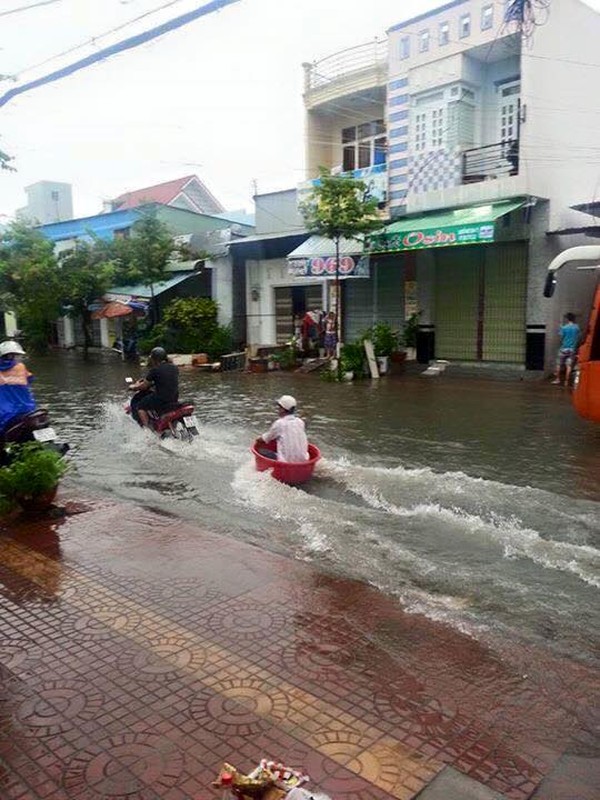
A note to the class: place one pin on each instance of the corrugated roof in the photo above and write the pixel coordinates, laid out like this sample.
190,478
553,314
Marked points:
145,291
321,246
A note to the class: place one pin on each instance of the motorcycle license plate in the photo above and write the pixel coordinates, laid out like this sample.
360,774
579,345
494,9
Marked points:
44,435
190,422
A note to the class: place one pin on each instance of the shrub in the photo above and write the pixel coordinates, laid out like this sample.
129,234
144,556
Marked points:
34,470
385,339
411,326
353,358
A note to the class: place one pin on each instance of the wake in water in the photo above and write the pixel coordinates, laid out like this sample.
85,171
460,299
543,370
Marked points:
474,552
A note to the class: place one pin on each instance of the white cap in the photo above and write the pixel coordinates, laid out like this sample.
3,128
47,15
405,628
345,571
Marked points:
9,347
287,402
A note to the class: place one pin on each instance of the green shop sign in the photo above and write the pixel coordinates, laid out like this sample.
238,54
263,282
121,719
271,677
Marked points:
420,238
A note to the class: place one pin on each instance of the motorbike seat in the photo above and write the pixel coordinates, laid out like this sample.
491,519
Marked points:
184,410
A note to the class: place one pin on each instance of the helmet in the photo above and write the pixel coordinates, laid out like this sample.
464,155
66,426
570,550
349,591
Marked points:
287,402
11,347
158,354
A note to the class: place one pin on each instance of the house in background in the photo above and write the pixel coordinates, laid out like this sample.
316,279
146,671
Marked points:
208,273
188,193
490,129
47,201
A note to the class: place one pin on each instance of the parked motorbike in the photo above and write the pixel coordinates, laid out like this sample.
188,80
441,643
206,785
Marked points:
177,423
31,427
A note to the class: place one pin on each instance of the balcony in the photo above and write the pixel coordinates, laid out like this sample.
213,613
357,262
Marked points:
349,71
491,162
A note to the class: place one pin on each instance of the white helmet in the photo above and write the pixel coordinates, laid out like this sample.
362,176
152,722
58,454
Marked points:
11,347
287,402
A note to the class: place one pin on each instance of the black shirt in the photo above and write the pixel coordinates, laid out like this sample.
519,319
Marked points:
165,380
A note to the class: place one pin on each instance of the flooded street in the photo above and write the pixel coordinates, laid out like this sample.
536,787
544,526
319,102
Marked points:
476,501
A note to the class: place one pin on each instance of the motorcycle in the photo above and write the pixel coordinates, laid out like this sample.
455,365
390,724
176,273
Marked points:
177,423
31,427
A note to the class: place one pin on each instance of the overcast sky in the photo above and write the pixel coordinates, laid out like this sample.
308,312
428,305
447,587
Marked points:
221,97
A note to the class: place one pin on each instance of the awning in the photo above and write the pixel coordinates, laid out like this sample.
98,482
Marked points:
145,291
472,225
316,258
117,308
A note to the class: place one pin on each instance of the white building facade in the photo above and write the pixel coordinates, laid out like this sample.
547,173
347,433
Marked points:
491,123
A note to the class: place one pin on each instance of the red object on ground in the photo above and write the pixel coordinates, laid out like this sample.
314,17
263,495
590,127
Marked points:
290,472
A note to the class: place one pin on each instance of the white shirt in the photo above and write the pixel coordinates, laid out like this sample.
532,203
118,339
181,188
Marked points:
292,444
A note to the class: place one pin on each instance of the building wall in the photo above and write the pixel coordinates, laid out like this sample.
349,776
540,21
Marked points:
222,287
277,212
561,105
48,201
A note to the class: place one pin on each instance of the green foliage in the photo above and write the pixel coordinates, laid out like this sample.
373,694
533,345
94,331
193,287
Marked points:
385,339
34,470
288,358
411,326
189,325
30,283
353,358
4,160
144,255
87,272
337,208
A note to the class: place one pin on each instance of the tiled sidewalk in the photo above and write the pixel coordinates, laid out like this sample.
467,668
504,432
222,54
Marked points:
138,652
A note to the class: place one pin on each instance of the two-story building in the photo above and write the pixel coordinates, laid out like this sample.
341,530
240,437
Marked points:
492,123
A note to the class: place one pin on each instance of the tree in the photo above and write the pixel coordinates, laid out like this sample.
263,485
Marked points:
336,209
29,282
144,256
86,272
4,159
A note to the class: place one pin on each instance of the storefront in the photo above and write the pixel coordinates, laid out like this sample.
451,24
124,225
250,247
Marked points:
471,269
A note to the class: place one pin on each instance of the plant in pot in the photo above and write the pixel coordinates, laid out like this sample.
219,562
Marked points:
409,334
31,478
353,359
385,342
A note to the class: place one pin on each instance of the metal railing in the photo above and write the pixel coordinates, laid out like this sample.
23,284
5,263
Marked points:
492,161
353,59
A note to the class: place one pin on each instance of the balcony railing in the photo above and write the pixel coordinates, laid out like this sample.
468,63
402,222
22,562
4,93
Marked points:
353,59
490,162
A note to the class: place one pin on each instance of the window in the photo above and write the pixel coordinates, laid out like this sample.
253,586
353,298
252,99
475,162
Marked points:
429,126
444,33
364,145
464,28
437,128
54,195
423,41
487,17
420,132
405,47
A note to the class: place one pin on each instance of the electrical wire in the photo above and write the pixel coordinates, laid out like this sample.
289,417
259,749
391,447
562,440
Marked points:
28,8
97,38
119,47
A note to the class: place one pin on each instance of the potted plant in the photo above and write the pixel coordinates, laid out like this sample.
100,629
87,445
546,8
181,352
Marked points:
31,478
385,343
409,334
353,359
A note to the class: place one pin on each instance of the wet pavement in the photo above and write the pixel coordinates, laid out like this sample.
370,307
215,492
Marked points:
138,652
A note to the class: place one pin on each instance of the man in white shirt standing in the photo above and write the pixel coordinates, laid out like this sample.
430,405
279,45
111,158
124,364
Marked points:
289,433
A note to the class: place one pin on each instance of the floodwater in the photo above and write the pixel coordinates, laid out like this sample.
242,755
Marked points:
473,501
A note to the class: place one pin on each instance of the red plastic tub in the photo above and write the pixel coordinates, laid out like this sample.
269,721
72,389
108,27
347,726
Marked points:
290,472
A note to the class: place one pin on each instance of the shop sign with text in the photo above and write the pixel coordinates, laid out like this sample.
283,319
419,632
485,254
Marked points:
420,238
321,267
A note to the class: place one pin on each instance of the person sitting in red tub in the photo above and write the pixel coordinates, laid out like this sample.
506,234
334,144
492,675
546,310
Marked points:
288,431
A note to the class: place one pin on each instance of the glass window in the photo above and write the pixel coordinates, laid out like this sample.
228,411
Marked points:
444,33
487,17
364,155
366,129
405,47
54,195
465,26
380,152
423,41
349,158
348,135
379,127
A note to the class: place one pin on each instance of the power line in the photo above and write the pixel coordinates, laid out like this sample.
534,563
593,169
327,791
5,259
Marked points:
99,36
27,8
119,47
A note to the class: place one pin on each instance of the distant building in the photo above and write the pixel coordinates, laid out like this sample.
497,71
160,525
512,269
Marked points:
188,193
47,202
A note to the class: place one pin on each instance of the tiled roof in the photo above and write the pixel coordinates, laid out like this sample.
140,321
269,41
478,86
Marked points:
160,193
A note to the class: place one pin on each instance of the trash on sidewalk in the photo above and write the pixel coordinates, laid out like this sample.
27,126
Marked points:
270,780
435,368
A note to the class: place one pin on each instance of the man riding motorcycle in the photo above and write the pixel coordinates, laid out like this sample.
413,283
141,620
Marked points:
158,391
16,398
